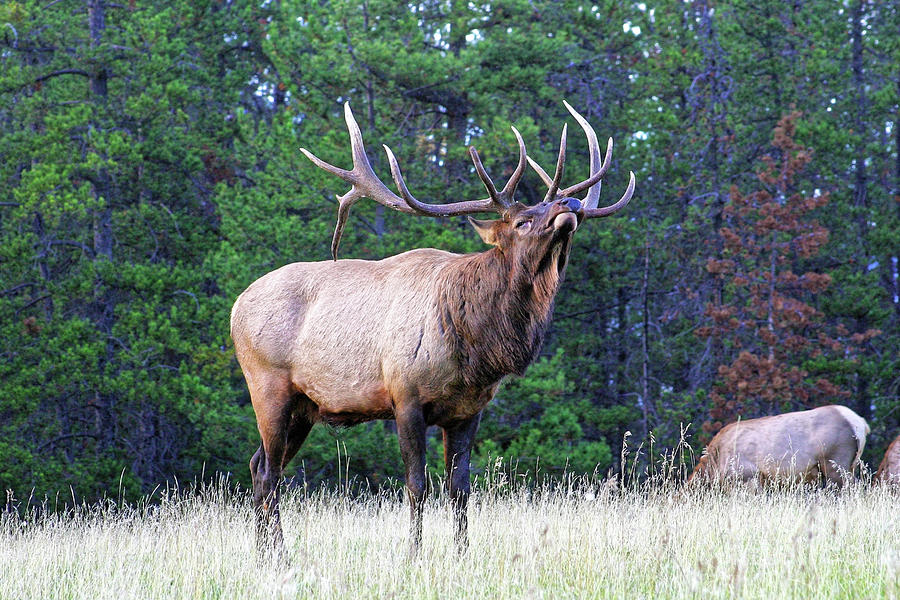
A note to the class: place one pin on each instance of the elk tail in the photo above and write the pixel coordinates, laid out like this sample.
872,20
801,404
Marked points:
860,431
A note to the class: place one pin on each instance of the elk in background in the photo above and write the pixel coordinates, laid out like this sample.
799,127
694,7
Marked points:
788,448
423,337
889,469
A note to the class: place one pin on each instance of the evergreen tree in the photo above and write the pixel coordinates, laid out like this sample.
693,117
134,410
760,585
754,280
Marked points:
112,129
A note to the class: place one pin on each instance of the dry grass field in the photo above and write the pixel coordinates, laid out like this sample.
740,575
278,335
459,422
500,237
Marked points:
573,540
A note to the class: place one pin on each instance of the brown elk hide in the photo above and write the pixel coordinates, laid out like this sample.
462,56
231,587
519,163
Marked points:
792,447
889,469
417,318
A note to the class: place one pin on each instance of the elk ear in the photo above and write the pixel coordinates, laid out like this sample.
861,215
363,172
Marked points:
486,230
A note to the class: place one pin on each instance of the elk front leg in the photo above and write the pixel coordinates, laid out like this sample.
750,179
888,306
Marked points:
458,440
411,432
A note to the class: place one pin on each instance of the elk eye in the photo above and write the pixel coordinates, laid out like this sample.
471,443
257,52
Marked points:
524,225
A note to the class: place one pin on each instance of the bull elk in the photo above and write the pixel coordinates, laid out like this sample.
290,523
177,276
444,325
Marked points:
423,337
794,447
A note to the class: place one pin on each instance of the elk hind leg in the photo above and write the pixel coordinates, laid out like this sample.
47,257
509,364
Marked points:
302,420
832,467
273,403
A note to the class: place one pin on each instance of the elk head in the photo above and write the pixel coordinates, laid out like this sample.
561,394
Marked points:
545,228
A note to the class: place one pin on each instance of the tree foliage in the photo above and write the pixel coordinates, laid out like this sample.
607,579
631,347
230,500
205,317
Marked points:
150,171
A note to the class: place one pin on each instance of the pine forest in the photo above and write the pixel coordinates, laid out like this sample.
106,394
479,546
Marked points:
150,170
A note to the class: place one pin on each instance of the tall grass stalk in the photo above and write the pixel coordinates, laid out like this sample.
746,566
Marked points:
578,538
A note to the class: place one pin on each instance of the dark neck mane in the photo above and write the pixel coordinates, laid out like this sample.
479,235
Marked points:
496,309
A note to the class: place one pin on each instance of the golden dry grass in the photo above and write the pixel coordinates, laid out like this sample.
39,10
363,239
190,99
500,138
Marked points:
576,540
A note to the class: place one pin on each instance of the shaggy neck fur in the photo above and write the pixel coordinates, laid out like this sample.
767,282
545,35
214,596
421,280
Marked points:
496,307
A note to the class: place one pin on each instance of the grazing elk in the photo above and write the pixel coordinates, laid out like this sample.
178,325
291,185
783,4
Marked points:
423,337
788,448
889,469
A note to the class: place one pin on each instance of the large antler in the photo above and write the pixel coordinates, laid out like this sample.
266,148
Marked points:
592,183
364,183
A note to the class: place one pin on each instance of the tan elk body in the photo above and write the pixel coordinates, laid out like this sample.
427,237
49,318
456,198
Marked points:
423,337
792,447
889,469
393,343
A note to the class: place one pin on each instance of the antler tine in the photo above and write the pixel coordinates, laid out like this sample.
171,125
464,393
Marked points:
398,178
598,168
560,166
608,210
591,184
362,179
509,190
541,172
497,202
483,176
505,197
443,210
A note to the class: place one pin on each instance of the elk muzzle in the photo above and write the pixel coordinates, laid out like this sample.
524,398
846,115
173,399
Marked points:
567,214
